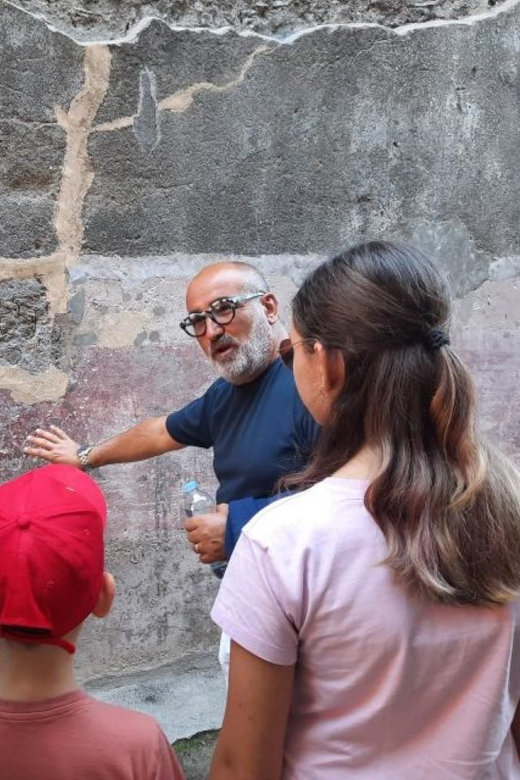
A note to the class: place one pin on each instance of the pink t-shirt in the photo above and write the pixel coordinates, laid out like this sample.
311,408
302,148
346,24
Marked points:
74,736
388,687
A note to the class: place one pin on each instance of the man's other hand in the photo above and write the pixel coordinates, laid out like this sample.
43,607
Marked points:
53,445
206,534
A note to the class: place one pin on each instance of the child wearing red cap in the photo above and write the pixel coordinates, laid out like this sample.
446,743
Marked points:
52,577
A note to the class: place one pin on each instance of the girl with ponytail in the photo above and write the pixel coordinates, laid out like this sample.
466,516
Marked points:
375,614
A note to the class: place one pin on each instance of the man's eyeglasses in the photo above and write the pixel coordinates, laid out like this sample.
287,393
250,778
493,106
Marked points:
222,312
286,351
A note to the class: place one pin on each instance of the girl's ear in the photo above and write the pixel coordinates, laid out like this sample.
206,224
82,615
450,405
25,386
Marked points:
336,366
331,367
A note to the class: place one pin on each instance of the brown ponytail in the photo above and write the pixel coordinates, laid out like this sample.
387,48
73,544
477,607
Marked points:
448,504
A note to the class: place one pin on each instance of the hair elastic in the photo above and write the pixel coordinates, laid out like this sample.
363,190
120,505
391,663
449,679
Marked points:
435,338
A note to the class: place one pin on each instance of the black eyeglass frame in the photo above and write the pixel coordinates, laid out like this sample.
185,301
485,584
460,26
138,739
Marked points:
234,301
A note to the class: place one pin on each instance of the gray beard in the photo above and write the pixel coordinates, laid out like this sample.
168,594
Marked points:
250,358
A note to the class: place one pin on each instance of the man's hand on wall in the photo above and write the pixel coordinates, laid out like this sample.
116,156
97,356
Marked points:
206,534
54,446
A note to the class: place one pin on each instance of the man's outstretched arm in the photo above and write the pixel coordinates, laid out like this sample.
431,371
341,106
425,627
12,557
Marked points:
144,440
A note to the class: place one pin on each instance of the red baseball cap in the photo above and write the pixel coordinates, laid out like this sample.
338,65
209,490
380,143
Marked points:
52,521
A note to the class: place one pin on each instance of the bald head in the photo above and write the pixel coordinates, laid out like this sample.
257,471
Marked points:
236,277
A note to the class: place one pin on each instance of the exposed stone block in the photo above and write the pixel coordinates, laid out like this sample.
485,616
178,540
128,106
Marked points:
25,327
307,146
39,70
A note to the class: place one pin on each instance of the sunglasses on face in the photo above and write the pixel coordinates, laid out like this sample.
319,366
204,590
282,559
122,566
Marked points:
286,351
222,311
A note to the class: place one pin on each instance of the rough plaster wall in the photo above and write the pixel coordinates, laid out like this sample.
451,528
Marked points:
95,19
126,167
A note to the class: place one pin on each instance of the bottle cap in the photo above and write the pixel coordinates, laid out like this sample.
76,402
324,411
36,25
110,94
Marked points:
189,486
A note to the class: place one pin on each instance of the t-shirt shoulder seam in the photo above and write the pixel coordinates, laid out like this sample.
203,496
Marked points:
271,509
131,714
217,384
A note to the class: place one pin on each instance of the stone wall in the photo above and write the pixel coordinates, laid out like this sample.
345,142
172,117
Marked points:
127,166
96,19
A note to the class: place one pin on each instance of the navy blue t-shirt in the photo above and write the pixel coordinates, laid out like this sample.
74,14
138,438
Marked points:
259,431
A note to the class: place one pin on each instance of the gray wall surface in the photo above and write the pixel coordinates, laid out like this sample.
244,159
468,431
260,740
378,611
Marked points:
128,165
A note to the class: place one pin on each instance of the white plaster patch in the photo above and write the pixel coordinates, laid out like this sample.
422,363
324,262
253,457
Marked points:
119,329
505,268
492,307
27,388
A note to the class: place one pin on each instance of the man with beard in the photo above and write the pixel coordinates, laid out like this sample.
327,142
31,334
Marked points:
252,416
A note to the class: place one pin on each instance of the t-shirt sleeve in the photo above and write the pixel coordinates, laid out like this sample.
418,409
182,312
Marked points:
191,425
250,605
240,513
168,766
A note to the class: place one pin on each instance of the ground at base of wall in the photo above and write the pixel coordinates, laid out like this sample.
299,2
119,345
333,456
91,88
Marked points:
195,754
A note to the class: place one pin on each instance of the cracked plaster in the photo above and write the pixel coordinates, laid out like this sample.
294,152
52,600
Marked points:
76,178
78,124
77,175
90,20
96,96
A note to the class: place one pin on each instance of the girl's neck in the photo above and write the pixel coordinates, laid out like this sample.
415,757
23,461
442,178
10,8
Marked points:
364,465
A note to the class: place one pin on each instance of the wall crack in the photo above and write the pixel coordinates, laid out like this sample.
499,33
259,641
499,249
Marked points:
76,180
77,177
182,99
133,33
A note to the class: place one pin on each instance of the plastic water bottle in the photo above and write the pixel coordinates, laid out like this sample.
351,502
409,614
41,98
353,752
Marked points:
197,502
